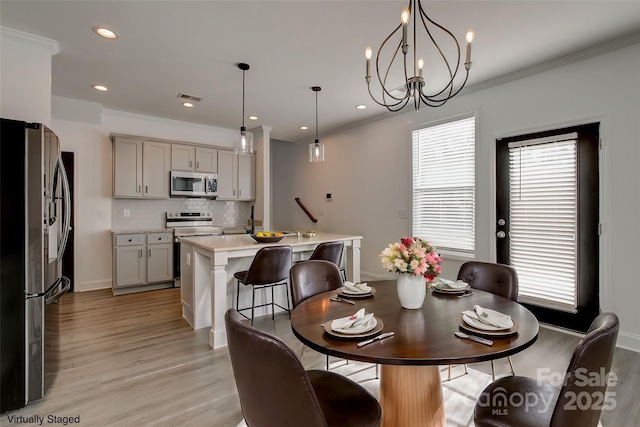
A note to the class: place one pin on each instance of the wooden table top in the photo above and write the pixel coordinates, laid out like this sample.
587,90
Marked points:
422,337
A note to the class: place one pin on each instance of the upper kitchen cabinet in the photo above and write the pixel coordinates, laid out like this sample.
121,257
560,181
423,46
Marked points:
141,168
191,158
236,176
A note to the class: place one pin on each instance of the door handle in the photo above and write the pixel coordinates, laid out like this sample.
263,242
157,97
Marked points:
501,234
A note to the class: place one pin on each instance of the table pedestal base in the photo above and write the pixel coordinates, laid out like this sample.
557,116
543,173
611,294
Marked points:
411,396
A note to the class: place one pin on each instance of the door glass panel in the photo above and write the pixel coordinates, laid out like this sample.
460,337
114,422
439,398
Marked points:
543,221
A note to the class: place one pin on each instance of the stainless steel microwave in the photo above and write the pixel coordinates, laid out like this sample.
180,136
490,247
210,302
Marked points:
194,184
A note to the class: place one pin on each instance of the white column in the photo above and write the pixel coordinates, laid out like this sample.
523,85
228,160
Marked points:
218,334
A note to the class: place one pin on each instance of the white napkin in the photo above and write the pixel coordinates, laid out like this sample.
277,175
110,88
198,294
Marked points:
450,284
352,324
356,288
492,317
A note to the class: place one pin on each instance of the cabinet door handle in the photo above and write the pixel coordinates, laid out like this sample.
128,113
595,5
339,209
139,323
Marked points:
239,193
149,255
146,189
234,192
197,165
190,163
139,189
140,253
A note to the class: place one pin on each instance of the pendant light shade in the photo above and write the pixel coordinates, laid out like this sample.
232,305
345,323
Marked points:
316,149
244,140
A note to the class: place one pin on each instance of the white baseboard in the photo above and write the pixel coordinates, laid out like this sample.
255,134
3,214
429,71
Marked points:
629,341
92,285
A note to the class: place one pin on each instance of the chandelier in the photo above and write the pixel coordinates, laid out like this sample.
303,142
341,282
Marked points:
414,87
244,139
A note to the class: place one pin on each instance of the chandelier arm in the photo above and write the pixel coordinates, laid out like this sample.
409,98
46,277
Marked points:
389,107
382,81
453,75
441,101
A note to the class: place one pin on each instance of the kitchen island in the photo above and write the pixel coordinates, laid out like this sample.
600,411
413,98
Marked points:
209,262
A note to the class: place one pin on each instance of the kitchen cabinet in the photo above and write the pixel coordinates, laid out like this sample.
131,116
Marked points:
192,158
142,262
236,176
141,168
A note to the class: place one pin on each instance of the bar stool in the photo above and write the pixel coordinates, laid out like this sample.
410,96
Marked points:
269,268
329,251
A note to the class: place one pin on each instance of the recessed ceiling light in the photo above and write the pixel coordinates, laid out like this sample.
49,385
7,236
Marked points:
105,32
101,88
187,104
252,117
361,107
304,127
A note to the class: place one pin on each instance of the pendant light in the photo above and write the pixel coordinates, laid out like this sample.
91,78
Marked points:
244,139
316,149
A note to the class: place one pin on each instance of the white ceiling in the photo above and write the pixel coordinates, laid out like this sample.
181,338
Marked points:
192,47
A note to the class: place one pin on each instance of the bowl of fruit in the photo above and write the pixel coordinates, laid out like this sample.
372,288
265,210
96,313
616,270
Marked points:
267,236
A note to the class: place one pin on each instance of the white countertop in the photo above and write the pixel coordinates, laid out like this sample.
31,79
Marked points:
237,242
142,231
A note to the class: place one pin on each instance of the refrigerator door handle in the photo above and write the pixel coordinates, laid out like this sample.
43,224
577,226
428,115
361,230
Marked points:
66,285
66,225
41,294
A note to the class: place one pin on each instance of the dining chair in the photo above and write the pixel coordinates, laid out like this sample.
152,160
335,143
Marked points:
498,279
310,278
329,251
578,403
269,268
276,391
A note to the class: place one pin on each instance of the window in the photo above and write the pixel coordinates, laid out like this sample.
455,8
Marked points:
444,185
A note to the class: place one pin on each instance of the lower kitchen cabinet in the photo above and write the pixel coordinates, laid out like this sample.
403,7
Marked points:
142,262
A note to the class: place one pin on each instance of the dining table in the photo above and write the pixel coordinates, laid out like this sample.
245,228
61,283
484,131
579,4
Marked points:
410,390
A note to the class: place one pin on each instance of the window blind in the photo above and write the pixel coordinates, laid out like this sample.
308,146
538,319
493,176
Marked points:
444,185
543,222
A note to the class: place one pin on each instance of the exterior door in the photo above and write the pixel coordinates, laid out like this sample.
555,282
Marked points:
547,225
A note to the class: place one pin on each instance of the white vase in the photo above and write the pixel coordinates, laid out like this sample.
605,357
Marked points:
411,290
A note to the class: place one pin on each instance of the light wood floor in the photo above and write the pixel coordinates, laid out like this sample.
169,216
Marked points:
131,360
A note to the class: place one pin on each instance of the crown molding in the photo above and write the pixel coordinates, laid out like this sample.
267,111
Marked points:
42,42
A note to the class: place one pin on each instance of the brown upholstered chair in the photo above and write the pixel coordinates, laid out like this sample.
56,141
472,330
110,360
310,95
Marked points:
310,278
269,268
499,279
276,391
329,251
555,407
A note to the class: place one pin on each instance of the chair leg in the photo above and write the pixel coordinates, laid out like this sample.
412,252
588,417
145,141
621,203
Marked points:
449,374
273,308
237,294
377,371
328,362
493,372
286,288
302,351
513,373
253,302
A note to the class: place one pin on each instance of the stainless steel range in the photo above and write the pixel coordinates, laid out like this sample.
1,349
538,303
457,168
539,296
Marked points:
187,224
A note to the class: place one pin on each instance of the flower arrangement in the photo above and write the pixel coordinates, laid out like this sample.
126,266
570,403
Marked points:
414,256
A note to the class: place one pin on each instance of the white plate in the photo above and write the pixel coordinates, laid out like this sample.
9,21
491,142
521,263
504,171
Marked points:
369,325
447,290
347,291
479,325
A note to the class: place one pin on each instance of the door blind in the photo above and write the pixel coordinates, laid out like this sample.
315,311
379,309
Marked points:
444,185
543,222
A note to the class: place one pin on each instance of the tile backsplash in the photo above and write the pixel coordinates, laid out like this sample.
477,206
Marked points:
151,213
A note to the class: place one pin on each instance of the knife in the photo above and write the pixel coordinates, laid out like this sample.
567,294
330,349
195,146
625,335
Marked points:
379,337
338,299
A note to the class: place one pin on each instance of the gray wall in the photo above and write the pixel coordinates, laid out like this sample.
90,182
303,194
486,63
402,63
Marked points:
368,169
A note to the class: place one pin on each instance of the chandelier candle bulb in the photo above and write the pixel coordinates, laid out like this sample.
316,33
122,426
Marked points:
420,65
367,54
404,17
470,36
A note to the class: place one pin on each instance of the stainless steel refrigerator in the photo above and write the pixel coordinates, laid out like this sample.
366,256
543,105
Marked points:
34,227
